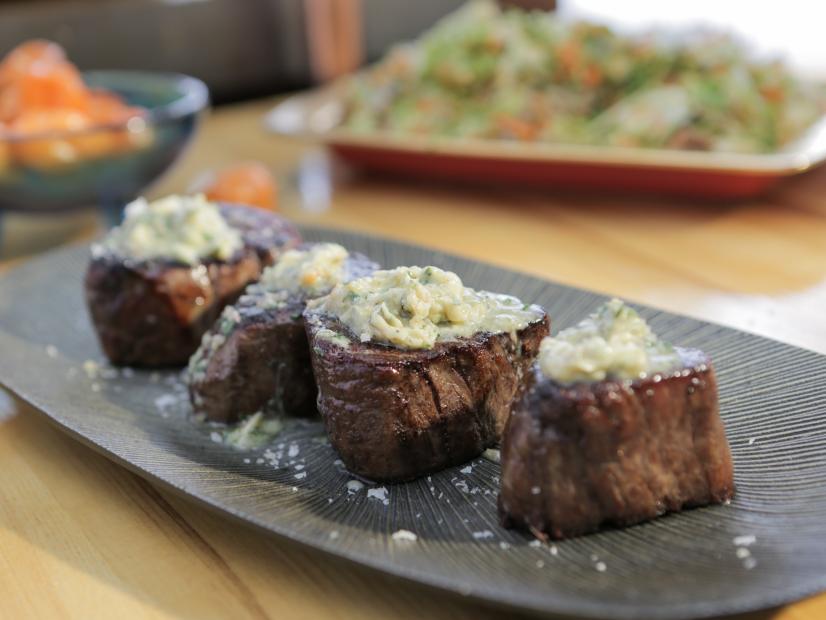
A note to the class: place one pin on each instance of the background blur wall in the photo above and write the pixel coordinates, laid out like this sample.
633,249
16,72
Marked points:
240,48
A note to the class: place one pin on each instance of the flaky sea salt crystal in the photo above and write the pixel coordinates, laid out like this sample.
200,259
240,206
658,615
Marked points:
165,401
379,493
91,367
404,536
354,486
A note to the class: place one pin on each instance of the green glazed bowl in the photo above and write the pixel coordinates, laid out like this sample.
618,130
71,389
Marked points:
120,160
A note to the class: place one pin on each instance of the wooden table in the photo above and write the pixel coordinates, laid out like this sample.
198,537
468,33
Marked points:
81,537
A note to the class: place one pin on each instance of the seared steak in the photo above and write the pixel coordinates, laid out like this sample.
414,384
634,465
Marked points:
153,313
256,357
394,414
579,457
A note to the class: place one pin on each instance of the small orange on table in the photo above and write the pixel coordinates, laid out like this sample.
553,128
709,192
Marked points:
249,183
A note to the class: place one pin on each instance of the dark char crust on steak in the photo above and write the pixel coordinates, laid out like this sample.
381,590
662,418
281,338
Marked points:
264,363
154,313
394,414
576,458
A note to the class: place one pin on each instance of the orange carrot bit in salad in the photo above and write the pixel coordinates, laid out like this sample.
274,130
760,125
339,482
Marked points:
593,75
249,183
569,56
516,127
774,94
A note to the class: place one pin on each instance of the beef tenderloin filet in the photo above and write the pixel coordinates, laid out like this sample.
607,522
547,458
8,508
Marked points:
578,457
260,361
258,358
394,414
153,313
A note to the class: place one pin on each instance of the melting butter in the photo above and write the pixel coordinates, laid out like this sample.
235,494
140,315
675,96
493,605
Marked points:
415,307
613,342
185,229
313,271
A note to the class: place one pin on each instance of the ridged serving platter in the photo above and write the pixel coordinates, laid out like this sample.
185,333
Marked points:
766,548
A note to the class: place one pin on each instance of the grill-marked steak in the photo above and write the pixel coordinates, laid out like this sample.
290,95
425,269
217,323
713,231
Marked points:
256,357
154,313
579,457
394,414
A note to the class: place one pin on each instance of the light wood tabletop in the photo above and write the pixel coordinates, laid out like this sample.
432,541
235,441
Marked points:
81,537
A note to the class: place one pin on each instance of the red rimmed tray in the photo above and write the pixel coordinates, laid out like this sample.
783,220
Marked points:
317,115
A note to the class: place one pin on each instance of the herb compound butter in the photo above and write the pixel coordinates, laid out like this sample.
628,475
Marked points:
312,272
254,432
185,229
211,341
613,342
330,336
414,307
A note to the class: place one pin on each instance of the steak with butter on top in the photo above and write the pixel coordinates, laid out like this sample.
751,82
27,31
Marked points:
616,428
417,372
256,357
157,282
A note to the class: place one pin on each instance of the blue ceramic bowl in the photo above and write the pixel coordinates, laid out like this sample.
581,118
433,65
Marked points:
105,166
